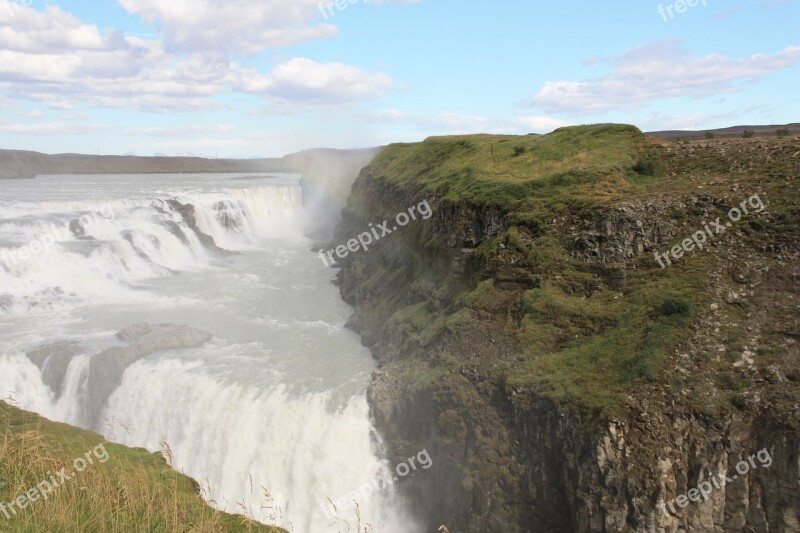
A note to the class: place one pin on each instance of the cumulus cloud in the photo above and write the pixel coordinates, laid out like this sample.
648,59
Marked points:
540,124
232,26
305,81
52,57
657,71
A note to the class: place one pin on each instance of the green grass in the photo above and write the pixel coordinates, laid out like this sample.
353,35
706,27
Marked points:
132,491
590,350
575,338
417,324
526,174
578,340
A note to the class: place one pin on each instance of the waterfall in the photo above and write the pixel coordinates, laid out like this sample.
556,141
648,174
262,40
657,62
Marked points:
270,415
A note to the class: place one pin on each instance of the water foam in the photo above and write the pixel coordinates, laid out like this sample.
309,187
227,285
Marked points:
235,416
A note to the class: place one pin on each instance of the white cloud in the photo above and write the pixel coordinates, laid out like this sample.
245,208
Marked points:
52,57
455,123
185,131
539,124
232,26
50,31
308,82
657,71
18,66
51,128
60,106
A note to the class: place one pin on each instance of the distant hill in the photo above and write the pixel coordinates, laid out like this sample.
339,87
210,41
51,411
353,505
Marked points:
16,164
727,133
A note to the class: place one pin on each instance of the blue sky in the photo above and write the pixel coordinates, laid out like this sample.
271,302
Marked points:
246,78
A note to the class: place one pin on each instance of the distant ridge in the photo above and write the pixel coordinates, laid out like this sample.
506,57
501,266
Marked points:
20,164
727,133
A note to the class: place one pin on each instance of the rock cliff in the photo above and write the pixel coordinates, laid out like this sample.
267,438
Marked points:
559,377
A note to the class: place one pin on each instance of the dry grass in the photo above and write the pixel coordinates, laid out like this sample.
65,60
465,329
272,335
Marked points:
133,490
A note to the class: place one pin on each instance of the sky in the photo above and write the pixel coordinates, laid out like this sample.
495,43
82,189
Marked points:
263,78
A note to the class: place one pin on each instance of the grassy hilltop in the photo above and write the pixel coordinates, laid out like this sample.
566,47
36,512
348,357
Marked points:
576,336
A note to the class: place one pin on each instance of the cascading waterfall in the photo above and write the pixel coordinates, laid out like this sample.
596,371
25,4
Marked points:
270,414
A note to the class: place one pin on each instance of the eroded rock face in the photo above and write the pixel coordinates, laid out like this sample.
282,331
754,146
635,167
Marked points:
596,484
149,337
516,461
53,360
107,367
187,212
612,235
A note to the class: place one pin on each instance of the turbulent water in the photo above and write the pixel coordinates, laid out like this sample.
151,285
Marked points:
270,415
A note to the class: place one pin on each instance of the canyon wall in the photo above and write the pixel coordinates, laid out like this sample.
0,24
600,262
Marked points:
560,379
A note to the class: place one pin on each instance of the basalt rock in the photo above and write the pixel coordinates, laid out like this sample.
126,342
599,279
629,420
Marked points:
518,460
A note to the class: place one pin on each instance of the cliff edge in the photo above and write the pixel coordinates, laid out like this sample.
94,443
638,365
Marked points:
590,325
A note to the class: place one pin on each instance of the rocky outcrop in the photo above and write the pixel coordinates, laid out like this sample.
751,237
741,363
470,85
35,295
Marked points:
53,360
107,367
632,474
516,458
187,212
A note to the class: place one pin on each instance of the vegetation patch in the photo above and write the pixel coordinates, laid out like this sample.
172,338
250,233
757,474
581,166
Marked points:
133,491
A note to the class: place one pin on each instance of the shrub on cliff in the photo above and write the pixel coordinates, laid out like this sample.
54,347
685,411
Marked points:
674,306
645,167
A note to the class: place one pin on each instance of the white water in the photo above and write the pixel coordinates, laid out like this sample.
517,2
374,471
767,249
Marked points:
277,399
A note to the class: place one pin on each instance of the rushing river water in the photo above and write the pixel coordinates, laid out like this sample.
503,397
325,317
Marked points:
277,397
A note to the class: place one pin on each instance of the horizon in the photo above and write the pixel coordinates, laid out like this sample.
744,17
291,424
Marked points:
761,130
239,81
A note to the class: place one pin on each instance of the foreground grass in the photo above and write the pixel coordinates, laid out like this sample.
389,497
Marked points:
133,490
